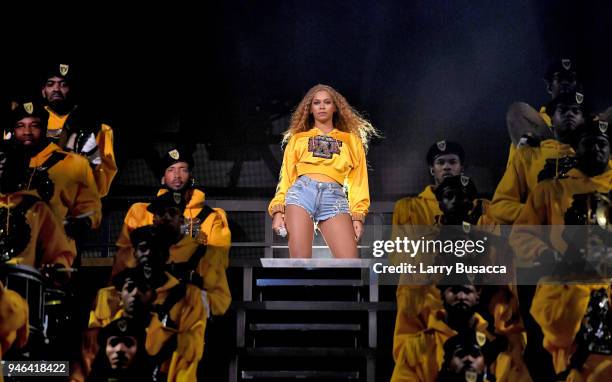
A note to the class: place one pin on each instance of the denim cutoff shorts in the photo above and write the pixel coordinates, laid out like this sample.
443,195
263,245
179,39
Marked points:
322,200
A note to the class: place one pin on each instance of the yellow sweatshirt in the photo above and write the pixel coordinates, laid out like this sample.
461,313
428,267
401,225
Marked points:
107,169
559,309
339,155
189,316
214,276
46,240
547,205
14,327
213,231
422,355
75,191
521,177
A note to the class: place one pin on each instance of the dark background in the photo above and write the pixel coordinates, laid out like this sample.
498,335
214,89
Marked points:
225,74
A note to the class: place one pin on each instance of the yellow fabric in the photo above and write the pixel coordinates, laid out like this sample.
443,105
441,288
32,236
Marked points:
545,116
14,329
547,205
214,230
188,314
521,177
215,278
75,191
47,237
559,310
105,172
415,303
422,354
349,167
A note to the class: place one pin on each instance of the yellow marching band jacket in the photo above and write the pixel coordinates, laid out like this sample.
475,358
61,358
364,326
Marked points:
339,155
188,316
105,171
419,333
560,304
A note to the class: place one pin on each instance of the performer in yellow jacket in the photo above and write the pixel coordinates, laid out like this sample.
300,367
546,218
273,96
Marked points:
561,300
76,128
14,328
174,310
324,161
421,356
532,164
206,225
64,180
31,235
411,216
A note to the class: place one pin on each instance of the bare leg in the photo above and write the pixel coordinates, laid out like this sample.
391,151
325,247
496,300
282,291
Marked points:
300,230
340,236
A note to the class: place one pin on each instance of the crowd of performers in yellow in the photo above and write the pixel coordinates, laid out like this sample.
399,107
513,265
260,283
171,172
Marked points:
169,275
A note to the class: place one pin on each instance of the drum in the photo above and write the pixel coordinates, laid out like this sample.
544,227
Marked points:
26,281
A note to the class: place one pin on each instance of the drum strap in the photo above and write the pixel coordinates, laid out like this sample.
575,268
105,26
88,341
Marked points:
186,271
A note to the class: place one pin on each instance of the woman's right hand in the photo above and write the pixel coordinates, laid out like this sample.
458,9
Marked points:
278,221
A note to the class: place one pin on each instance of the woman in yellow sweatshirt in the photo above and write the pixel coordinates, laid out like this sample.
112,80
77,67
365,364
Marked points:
324,177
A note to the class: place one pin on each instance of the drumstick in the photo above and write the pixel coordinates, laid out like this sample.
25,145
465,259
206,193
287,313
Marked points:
83,215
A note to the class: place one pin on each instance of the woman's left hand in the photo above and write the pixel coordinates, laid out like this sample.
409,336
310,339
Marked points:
358,227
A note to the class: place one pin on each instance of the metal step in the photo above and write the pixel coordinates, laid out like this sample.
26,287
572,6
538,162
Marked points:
314,305
305,327
308,352
308,282
299,374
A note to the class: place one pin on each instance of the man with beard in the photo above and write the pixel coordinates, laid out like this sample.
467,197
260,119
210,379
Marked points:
463,360
551,159
122,355
63,180
75,128
420,357
206,225
190,260
413,217
561,299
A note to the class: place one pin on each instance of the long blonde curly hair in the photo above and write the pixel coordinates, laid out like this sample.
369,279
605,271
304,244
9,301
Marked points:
345,118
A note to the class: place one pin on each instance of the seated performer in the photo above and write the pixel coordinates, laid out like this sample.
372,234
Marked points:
188,260
421,355
173,311
32,234
325,153
205,224
64,180
571,298
463,360
75,128
550,159
122,356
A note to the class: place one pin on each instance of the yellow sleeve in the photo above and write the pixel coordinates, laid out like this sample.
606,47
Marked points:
527,232
105,171
288,175
218,238
559,310
13,319
87,199
135,217
106,306
190,338
56,248
511,192
216,286
357,180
